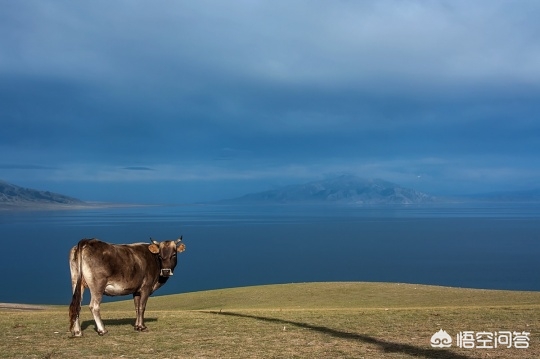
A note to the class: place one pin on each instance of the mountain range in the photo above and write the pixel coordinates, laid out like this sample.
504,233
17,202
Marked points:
346,189
342,189
15,196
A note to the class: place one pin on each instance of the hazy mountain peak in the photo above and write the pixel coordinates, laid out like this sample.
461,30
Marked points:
341,189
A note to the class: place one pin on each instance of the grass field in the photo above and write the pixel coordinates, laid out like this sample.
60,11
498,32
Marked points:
310,320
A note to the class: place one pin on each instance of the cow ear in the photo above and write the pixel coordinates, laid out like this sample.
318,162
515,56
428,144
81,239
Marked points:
153,248
181,248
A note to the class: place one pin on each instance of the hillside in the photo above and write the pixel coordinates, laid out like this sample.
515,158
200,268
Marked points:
307,320
335,295
15,196
342,189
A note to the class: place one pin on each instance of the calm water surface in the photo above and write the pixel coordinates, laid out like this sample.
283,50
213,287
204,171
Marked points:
478,246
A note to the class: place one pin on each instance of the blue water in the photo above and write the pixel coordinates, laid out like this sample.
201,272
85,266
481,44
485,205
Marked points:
480,246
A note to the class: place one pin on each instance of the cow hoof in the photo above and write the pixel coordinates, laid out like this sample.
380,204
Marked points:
141,329
102,332
76,334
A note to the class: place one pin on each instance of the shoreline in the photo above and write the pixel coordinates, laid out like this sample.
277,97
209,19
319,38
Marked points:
21,307
23,207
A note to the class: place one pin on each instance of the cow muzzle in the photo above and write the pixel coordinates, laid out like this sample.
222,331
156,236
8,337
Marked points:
166,272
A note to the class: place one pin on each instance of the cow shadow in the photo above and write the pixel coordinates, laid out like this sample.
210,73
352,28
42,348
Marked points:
386,346
115,322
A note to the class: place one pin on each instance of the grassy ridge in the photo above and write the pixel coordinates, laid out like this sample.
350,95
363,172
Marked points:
311,320
338,295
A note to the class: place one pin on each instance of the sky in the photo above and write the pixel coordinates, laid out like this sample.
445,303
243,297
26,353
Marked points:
183,101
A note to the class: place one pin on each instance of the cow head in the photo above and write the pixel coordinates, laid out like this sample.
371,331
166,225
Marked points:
166,252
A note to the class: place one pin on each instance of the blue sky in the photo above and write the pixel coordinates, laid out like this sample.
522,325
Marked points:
177,101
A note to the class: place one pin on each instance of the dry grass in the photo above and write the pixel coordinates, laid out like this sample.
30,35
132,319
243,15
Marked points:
315,320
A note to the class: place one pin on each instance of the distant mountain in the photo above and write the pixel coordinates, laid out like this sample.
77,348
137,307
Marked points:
15,196
343,189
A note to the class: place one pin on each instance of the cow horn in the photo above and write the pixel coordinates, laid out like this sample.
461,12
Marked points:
178,240
154,242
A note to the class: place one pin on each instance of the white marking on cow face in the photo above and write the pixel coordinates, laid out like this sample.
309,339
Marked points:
166,273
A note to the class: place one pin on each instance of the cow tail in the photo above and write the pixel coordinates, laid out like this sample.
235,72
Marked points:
75,306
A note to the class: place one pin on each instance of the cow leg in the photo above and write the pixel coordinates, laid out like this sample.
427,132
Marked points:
77,331
140,299
94,308
137,302
97,288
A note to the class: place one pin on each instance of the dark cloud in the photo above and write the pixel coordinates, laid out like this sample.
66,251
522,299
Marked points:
250,89
138,168
13,166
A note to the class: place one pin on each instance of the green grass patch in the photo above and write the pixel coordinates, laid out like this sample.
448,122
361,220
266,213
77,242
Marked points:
310,320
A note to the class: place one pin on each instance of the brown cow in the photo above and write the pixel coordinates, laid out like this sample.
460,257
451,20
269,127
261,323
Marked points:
118,269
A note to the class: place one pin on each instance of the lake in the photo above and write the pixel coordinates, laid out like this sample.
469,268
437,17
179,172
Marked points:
478,246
